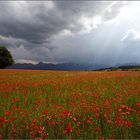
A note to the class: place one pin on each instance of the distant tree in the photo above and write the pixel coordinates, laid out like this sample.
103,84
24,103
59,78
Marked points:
6,58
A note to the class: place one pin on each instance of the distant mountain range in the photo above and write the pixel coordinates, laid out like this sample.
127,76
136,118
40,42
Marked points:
72,66
61,66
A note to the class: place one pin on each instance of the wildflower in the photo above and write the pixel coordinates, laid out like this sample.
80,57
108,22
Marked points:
14,129
117,122
11,123
74,118
42,128
0,137
112,138
97,114
8,114
88,121
13,119
53,123
106,115
38,138
40,132
3,120
69,128
49,118
85,106
35,127
110,121
79,123
97,129
32,133
45,135
35,121
78,132
101,138
123,106
137,104
128,124
27,127
12,102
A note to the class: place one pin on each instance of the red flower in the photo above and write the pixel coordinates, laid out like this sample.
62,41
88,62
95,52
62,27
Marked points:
11,123
97,129
69,128
137,104
74,118
35,121
110,121
42,128
32,133
53,123
78,132
88,121
0,137
3,120
97,114
79,123
85,106
45,135
13,119
128,124
49,118
101,138
14,129
8,114
123,106
112,138
38,138
35,127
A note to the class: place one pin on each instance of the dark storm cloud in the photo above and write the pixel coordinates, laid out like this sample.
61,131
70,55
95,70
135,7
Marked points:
35,25
37,21
21,20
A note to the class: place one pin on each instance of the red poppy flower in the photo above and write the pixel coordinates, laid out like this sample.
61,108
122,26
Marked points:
0,137
78,132
8,114
45,135
128,124
53,123
32,133
101,138
69,128
110,121
97,129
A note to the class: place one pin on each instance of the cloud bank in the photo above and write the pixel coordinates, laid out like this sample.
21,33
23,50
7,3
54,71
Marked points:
61,31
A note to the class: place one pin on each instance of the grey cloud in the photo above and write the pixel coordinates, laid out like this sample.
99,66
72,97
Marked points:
131,37
34,54
22,21
36,22
130,48
29,28
113,10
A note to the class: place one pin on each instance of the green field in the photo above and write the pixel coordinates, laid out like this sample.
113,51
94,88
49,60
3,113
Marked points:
69,105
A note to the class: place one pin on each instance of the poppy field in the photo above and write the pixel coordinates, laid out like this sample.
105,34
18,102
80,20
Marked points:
69,104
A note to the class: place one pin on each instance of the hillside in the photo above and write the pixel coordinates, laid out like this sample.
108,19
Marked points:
61,66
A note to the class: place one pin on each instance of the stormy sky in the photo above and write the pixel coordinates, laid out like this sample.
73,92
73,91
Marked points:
101,32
